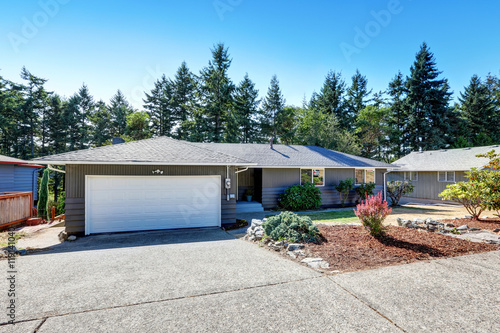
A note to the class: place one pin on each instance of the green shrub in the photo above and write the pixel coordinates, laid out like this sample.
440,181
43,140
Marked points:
364,190
43,196
291,227
343,188
301,197
396,189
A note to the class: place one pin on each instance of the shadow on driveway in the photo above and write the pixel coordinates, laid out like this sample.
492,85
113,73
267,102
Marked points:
137,239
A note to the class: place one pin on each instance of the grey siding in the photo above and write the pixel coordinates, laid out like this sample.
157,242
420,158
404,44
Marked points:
75,187
427,185
15,178
245,180
275,181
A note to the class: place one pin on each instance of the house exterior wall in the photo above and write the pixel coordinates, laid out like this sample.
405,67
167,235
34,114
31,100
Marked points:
275,181
245,181
15,178
427,186
75,187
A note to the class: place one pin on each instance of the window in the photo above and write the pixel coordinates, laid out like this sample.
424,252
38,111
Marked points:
364,176
446,176
314,176
411,175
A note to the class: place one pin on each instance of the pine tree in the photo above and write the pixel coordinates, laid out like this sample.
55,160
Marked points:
56,126
429,116
371,128
331,99
216,97
159,105
86,111
478,110
272,108
247,110
138,126
119,109
184,102
100,120
397,118
11,104
357,98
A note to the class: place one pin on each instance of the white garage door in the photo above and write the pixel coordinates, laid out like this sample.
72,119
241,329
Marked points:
129,203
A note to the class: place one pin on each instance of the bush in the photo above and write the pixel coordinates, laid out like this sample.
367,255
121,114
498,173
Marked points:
343,188
43,196
301,197
364,190
291,227
372,213
470,194
396,189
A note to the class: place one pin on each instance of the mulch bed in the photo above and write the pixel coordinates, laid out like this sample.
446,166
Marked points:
486,224
351,248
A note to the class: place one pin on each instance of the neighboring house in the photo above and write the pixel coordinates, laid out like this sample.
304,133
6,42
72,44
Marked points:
18,176
163,183
431,171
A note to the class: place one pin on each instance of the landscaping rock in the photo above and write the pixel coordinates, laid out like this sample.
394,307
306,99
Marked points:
63,236
292,255
467,216
299,252
496,230
22,252
259,233
316,263
72,238
293,247
463,227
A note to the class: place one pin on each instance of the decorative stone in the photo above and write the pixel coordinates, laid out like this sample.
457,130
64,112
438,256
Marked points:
63,235
22,252
463,227
418,221
496,230
450,225
467,216
299,252
293,247
292,255
72,238
256,222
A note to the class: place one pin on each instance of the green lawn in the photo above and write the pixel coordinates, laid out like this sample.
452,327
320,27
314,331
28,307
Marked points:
337,217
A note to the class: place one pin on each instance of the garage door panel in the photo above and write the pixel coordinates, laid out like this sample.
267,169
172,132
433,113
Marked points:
146,203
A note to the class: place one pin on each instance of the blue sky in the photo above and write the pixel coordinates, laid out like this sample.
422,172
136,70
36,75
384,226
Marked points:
126,45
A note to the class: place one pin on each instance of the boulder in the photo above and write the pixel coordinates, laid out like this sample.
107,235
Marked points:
72,238
293,247
467,216
63,236
463,227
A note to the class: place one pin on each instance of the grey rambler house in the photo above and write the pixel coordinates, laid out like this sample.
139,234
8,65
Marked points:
431,171
163,183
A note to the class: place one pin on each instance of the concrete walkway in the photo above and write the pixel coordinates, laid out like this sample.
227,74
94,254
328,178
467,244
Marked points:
205,280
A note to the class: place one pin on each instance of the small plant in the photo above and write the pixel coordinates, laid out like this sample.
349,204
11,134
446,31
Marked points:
396,189
343,188
372,213
292,227
43,196
301,197
471,195
364,190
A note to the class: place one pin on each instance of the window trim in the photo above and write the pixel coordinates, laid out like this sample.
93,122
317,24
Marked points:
410,176
364,175
446,177
312,175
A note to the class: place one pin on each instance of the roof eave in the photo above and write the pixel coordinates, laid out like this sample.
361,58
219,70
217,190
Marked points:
55,162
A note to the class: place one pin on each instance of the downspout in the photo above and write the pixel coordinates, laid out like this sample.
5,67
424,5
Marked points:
50,167
227,177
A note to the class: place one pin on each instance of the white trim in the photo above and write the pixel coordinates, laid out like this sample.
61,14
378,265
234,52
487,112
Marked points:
410,176
87,231
446,177
314,167
364,175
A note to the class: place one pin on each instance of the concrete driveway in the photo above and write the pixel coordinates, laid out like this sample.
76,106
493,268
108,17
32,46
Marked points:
205,280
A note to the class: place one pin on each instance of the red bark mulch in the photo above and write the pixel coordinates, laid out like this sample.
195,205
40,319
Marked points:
486,224
351,248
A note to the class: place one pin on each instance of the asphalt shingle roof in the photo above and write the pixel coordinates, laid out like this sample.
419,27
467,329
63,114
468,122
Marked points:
160,150
11,160
460,159
165,150
292,155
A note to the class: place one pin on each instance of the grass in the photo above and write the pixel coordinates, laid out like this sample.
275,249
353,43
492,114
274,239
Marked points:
336,216
4,238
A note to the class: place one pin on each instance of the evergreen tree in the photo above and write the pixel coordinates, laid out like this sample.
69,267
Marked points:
429,116
11,104
331,99
43,196
247,110
478,110
216,97
56,126
100,120
287,124
183,100
371,128
119,109
159,105
85,113
272,109
138,125
397,118
72,120
357,98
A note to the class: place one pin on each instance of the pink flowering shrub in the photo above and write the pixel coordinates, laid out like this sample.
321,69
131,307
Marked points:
372,213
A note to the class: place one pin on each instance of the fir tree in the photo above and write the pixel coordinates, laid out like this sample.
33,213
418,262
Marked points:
331,99
184,90
272,109
101,120
429,116
357,98
397,118
159,105
247,110
119,109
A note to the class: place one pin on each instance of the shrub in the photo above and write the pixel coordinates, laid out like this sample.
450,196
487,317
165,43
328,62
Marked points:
364,190
290,226
470,194
60,207
43,196
372,213
396,189
343,188
301,197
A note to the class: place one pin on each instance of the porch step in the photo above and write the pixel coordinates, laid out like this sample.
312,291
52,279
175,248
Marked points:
248,207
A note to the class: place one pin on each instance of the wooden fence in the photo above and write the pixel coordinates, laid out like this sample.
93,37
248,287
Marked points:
15,207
